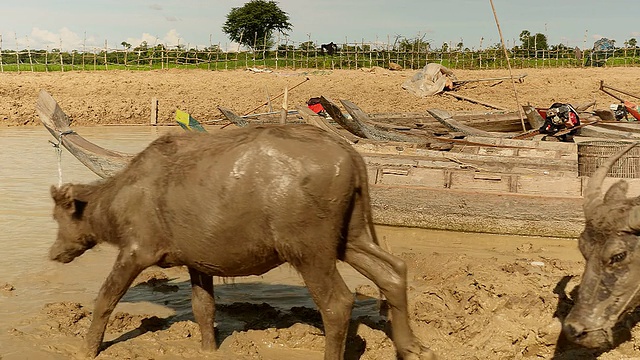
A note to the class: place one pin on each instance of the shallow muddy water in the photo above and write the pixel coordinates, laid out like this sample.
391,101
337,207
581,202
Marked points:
29,165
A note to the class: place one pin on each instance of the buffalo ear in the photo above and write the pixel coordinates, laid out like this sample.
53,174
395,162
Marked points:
62,196
633,220
71,198
616,192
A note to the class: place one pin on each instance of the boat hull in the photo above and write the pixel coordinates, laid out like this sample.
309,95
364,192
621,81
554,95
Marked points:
489,185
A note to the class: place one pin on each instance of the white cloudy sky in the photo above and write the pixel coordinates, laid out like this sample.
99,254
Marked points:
74,24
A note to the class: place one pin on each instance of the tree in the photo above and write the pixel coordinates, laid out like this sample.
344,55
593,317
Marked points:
632,42
307,46
416,44
537,41
144,46
559,47
254,23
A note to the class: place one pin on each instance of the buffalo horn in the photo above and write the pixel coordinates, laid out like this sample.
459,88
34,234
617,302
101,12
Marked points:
593,193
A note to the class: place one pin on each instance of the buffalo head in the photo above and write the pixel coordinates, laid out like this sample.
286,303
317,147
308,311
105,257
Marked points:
74,233
610,284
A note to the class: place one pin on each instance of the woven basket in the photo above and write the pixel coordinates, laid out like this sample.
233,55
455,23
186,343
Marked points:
592,154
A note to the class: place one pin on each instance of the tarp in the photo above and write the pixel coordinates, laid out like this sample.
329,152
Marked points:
432,79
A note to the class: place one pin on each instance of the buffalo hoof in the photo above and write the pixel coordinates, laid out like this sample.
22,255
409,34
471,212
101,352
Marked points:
90,353
424,353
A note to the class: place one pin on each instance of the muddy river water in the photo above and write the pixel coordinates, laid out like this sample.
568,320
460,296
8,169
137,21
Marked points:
29,165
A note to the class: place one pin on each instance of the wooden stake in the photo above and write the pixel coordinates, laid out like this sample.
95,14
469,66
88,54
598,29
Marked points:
285,110
268,99
154,111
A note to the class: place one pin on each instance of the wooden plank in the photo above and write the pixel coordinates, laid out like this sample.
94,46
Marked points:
469,211
426,178
549,185
314,119
488,163
336,114
384,134
448,121
389,161
469,181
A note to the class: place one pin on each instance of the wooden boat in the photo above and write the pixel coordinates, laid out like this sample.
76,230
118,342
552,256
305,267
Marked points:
101,161
484,184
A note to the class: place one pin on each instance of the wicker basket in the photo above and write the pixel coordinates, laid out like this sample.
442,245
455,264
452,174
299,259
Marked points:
592,154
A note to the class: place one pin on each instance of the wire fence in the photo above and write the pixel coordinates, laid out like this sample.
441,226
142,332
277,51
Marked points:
307,55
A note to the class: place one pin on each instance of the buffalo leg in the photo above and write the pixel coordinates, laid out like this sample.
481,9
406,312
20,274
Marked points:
389,273
125,270
334,300
203,305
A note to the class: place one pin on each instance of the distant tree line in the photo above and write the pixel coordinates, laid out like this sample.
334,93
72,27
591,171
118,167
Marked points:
261,27
270,51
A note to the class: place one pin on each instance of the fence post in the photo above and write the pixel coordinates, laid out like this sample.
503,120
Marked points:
1,64
308,44
84,49
105,55
154,111
29,54
17,55
277,51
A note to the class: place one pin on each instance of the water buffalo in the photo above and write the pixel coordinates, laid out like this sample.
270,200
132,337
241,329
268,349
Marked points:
609,243
330,48
237,203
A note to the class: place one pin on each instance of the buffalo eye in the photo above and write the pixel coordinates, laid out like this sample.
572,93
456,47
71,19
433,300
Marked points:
617,258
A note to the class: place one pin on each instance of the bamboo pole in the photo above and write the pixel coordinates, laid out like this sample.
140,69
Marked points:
106,49
268,99
285,110
154,111
277,96
17,54
61,60
509,66
30,59
603,86
460,97
1,64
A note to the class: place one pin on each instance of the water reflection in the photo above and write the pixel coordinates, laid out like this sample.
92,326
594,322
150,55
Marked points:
28,167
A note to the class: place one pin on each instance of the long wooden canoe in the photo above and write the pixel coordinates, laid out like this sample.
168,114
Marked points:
101,161
493,185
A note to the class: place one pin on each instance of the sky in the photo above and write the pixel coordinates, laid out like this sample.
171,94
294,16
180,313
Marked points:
90,24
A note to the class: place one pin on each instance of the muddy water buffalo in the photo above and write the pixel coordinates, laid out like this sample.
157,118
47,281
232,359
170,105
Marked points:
609,243
234,204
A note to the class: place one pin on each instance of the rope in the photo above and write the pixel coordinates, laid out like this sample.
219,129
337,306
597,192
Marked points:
58,151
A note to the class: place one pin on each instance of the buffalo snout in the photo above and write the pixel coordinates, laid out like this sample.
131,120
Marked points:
65,252
593,336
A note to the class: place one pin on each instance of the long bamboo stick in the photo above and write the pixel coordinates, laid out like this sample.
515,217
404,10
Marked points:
504,48
460,97
277,96
603,86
